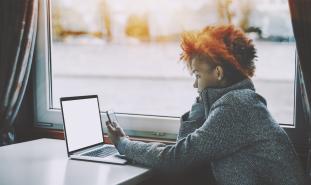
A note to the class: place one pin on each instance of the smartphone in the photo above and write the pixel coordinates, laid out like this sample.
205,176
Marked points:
112,117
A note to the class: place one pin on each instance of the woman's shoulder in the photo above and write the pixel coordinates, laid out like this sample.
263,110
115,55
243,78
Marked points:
241,97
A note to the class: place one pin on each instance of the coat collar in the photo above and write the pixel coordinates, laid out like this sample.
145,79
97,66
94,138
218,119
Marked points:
211,95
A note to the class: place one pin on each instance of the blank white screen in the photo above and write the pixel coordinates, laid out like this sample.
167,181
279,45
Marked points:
82,123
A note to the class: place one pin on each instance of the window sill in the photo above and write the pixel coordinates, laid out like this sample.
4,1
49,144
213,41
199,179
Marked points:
36,133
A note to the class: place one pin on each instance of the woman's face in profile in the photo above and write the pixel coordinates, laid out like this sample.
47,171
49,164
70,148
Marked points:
205,75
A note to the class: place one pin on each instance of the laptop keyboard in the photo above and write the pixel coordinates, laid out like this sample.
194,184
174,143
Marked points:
102,152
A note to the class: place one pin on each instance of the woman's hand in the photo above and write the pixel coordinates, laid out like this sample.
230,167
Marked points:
115,132
197,111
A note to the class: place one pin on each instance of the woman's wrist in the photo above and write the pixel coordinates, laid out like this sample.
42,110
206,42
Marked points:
121,144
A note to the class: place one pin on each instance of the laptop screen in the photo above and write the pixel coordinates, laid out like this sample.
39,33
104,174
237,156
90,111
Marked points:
82,123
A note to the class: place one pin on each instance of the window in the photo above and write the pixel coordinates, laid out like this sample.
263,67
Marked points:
127,52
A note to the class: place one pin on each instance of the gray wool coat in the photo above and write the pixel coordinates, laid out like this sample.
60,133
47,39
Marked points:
233,130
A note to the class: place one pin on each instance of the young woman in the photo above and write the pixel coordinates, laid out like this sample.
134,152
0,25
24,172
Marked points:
229,125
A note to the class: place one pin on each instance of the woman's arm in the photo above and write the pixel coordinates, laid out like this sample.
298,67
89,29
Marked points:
222,134
192,119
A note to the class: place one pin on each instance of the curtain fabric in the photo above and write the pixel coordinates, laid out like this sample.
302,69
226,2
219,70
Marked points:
301,21
18,28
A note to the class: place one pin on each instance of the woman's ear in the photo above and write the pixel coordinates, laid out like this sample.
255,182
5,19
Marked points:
219,72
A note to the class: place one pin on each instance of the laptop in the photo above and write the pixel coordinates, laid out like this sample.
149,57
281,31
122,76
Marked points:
84,132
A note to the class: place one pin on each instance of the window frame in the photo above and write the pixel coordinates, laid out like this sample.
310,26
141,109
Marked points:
48,117
159,127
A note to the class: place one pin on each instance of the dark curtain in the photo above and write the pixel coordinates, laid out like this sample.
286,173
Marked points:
301,21
18,28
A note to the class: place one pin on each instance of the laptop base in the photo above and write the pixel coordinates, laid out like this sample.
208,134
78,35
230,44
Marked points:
112,159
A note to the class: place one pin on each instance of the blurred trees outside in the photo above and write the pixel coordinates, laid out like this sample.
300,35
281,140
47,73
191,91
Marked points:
138,25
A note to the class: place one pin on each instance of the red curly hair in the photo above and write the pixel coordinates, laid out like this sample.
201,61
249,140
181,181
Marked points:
223,45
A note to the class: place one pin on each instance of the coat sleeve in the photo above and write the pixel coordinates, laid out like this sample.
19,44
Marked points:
191,120
221,134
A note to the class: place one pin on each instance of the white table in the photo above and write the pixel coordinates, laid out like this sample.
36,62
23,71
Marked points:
45,162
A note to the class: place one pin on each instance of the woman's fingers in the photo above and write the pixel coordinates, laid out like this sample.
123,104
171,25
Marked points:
113,124
110,127
115,129
107,123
